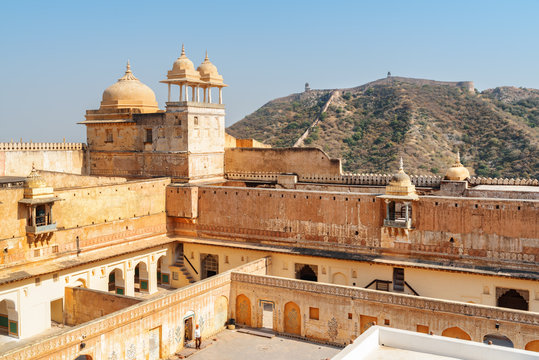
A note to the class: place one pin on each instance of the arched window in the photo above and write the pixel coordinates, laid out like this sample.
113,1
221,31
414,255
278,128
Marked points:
512,299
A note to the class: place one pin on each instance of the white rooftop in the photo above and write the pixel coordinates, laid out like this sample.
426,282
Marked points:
381,343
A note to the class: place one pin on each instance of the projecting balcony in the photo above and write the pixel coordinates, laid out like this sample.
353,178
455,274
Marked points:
40,229
398,223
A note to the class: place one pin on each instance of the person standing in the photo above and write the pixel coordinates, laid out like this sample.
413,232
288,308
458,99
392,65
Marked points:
198,339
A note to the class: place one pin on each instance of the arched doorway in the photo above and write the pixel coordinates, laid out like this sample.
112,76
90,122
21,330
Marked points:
498,339
292,318
532,346
339,279
220,311
141,277
83,357
116,282
457,333
306,272
513,300
163,276
9,324
243,310
209,264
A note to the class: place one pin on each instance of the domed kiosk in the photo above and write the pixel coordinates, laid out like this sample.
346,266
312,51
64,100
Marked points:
398,197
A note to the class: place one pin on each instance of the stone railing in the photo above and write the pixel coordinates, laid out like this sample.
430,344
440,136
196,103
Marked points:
345,179
499,181
422,303
72,337
20,146
375,179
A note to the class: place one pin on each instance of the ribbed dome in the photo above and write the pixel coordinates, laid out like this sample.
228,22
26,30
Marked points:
400,178
457,172
128,92
183,63
34,180
207,68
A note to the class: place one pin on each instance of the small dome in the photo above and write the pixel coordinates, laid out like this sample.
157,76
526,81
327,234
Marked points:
400,178
457,172
182,63
128,91
207,68
34,180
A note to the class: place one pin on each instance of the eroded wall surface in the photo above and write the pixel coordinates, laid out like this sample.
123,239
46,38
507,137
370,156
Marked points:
18,162
86,218
342,313
487,231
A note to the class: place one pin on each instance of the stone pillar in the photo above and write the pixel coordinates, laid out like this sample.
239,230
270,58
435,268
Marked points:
129,280
220,95
406,205
181,93
387,209
193,98
168,92
152,275
209,94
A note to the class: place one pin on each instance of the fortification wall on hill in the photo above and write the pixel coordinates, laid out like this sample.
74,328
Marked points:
467,85
16,159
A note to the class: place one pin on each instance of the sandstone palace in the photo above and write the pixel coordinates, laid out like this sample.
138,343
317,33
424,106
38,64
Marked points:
116,248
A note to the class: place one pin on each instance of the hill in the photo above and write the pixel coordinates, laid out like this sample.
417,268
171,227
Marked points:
369,127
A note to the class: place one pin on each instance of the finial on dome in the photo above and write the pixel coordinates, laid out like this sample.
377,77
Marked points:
401,165
458,157
183,50
33,166
128,73
206,58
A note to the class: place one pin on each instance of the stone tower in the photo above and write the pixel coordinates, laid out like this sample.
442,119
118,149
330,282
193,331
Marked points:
129,135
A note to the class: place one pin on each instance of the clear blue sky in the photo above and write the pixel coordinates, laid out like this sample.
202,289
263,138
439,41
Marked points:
57,57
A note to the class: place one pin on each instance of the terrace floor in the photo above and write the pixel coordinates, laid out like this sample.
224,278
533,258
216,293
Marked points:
233,345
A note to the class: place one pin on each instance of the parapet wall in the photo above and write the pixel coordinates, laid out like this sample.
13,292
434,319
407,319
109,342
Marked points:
16,159
491,232
372,179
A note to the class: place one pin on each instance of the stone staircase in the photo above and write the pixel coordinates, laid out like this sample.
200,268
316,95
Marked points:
180,264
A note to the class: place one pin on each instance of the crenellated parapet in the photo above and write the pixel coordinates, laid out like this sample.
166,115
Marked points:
31,146
375,179
501,181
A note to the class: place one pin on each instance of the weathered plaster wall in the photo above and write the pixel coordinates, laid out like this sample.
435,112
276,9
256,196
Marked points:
19,162
496,231
300,161
63,180
86,217
345,312
83,305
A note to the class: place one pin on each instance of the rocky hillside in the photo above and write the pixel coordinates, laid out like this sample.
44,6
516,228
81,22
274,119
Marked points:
369,127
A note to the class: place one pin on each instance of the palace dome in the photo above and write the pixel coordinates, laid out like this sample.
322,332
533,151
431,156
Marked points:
457,172
129,92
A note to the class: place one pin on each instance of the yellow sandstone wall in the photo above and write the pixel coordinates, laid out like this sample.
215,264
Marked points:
353,222
300,161
345,312
16,159
96,216
83,305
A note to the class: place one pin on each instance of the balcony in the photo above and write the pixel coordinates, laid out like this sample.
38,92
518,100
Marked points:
40,229
398,223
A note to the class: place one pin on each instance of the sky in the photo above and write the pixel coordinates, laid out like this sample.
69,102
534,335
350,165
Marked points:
57,57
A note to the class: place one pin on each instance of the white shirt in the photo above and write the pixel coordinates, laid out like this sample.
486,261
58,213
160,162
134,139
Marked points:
197,333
